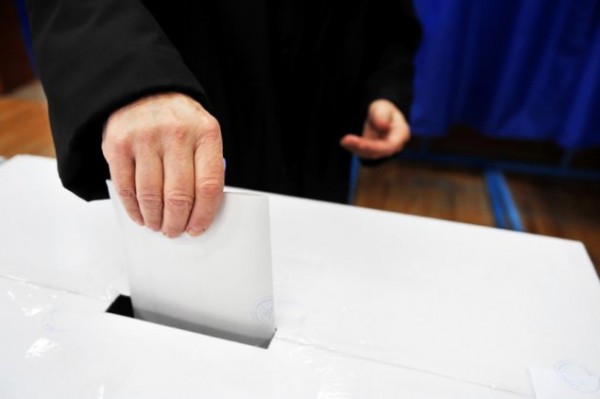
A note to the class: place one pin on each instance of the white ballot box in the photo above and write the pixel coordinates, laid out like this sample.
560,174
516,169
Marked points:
368,304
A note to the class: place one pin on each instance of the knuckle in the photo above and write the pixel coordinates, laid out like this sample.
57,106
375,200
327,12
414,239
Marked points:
179,202
150,200
179,134
211,125
146,136
211,129
210,188
127,193
122,142
116,144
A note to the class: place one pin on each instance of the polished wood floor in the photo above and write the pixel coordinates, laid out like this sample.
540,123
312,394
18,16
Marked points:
24,128
548,206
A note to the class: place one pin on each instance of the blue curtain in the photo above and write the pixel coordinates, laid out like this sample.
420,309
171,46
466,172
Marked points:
525,69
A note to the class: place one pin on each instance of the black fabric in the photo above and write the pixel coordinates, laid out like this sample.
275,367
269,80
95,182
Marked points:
285,79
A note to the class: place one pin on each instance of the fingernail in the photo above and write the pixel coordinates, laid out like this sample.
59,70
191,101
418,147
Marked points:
168,235
195,231
154,228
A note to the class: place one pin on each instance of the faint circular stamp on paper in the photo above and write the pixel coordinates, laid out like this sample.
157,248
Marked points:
578,377
263,310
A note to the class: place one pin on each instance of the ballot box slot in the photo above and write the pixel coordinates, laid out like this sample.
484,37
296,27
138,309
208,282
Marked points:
123,306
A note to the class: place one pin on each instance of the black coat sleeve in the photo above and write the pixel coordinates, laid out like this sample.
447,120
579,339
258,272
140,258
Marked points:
93,57
393,36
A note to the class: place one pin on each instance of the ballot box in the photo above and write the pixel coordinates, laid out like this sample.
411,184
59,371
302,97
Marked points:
368,304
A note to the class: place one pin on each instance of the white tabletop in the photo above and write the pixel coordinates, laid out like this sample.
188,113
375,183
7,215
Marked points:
368,304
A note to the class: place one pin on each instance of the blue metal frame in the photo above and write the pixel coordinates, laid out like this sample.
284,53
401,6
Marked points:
24,22
472,162
506,213
353,179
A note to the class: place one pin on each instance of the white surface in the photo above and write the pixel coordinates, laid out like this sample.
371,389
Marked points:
467,302
566,380
375,304
50,237
61,345
219,283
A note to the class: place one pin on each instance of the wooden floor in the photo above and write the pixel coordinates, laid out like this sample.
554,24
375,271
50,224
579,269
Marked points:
24,128
426,191
560,208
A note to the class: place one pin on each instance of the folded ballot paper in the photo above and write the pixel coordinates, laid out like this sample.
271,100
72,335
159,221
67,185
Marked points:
218,284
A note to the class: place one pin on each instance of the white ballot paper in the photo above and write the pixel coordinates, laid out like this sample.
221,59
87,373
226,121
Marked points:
218,284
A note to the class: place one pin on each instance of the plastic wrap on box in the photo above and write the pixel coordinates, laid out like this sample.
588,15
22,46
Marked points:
61,345
471,303
51,237
37,325
368,304
350,377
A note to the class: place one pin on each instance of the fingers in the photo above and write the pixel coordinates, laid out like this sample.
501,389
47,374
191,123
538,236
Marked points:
369,148
209,182
149,188
381,115
122,172
384,133
178,189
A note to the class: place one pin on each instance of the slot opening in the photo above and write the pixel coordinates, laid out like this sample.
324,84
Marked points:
123,306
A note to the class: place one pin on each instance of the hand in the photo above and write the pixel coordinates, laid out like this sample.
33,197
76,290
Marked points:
384,133
165,156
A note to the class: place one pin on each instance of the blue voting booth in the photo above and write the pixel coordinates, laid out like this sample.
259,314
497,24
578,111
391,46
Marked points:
509,69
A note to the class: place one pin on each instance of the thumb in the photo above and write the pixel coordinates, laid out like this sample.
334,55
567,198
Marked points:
381,115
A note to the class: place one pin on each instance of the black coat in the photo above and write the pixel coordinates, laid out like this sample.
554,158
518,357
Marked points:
285,79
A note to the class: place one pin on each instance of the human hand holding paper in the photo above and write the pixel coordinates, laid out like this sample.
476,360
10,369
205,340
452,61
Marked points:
165,155
219,283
